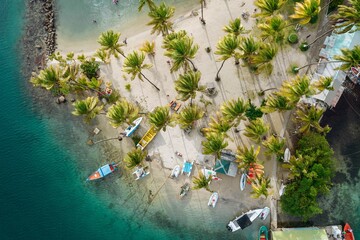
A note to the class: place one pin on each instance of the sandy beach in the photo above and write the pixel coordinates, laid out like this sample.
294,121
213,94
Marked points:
236,81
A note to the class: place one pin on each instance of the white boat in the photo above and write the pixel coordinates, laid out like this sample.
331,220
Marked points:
131,129
265,212
243,181
287,155
244,220
282,189
140,173
213,199
175,172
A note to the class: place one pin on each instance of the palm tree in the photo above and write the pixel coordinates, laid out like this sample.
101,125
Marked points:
307,12
269,7
48,78
247,156
273,28
275,102
110,43
160,118
134,64
103,55
134,157
160,16
172,36
234,110
349,57
227,48
324,83
261,62
88,108
214,144
297,87
149,3
187,85
148,47
202,182
347,17
218,125
189,115
182,51
256,130
274,145
122,112
308,119
260,187
235,27
248,47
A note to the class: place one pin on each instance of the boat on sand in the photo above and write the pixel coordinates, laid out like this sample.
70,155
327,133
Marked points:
184,189
175,172
132,128
140,172
187,168
213,199
244,220
263,233
243,181
102,172
348,232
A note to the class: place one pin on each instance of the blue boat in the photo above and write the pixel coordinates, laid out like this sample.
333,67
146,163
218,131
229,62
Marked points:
102,172
132,128
187,168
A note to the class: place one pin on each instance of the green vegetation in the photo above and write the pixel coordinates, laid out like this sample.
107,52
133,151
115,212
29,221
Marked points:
293,38
134,158
202,182
304,46
253,112
128,87
90,68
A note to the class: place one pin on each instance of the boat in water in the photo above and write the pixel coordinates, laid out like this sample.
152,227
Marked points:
213,199
184,189
140,172
102,172
243,181
244,220
175,172
263,233
265,212
132,128
348,232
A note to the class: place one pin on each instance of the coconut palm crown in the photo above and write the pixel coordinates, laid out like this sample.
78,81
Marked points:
247,156
122,112
88,108
160,118
273,29
134,158
308,119
234,110
235,27
260,187
189,115
256,130
202,182
149,3
269,7
214,144
307,11
109,42
160,16
274,145
187,85
347,18
295,88
349,57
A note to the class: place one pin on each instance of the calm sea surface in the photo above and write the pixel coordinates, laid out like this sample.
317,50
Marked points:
44,161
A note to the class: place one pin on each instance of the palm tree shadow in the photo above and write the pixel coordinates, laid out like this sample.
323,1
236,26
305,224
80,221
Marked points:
227,6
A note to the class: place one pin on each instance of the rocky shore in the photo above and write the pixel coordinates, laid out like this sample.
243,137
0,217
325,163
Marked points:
39,38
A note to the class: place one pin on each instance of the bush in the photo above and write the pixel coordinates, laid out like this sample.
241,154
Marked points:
304,46
90,68
293,38
253,112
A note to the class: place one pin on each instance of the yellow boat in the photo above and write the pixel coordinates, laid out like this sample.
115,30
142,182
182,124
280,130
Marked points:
146,139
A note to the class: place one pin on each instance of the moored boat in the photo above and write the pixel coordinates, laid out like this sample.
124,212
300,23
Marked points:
264,213
348,232
244,220
243,181
263,233
102,172
175,172
213,199
184,189
140,172
132,128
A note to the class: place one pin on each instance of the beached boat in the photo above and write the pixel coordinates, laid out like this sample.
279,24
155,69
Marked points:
132,128
287,155
265,212
146,139
184,189
282,189
102,172
175,172
243,181
244,220
187,168
140,172
348,232
263,233
213,199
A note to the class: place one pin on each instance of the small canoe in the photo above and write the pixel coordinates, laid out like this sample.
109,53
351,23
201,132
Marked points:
102,172
263,233
184,189
132,128
349,235
243,181
175,172
265,212
140,173
213,199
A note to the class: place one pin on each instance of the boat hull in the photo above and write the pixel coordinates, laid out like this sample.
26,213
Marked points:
175,172
102,172
132,128
213,199
263,233
243,181
349,235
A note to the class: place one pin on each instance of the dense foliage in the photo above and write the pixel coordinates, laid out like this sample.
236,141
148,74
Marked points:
311,171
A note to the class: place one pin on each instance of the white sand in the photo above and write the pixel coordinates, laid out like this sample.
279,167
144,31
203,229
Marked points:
235,82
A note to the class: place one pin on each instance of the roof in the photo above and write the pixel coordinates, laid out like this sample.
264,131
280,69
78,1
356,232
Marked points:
226,167
300,234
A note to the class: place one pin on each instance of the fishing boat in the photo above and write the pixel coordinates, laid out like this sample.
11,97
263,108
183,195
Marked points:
263,233
243,181
175,172
187,168
184,189
102,172
265,212
132,128
244,220
146,139
348,232
213,199
140,172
